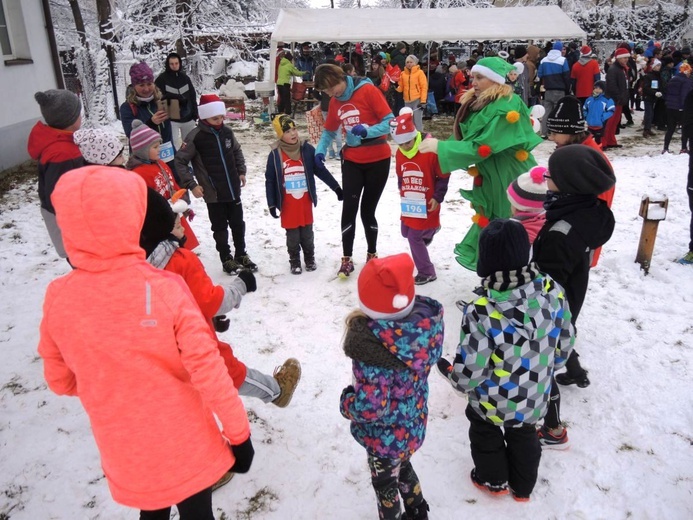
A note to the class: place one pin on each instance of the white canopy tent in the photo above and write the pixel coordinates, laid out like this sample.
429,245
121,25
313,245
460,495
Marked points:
423,25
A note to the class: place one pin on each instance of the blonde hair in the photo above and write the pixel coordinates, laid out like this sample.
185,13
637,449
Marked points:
328,75
495,91
132,95
353,315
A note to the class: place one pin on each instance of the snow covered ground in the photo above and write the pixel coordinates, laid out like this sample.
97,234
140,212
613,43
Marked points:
631,430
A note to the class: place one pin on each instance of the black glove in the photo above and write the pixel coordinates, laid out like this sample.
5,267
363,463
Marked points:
248,279
348,390
273,212
339,192
444,367
244,454
221,323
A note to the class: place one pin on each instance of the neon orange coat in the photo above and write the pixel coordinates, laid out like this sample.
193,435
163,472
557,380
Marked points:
413,85
131,343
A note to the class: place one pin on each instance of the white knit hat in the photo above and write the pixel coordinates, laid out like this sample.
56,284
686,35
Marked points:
97,145
528,191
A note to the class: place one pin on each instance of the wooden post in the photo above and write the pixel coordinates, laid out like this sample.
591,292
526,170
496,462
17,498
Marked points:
652,212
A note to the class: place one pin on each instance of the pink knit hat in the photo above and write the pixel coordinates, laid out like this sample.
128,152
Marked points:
141,139
528,191
141,73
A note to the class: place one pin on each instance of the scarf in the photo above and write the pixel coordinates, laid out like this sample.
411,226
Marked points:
360,344
145,99
162,253
409,154
292,150
505,280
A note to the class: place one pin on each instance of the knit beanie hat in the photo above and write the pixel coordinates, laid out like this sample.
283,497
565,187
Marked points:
141,73
600,84
557,45
282,123
585,51
97,145
210,106
580,170
493,68
401,45
656,63
402,127
141,139
519,67
158,221
386,287
413,58
528,191
685,68
566,117
59,108
503,246
520,51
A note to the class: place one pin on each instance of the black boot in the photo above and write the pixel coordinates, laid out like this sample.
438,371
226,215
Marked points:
575,374
419,512
295,264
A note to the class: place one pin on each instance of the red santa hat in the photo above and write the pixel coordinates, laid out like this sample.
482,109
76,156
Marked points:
210,106
402,127
585,51
621,53
386,287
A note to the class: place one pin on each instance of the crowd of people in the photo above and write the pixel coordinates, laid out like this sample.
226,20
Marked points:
125,229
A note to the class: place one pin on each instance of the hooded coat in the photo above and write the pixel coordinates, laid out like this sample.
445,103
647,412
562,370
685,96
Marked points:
413,85
177,85
131,343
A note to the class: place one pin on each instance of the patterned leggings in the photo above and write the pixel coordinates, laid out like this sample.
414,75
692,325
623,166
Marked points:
391,478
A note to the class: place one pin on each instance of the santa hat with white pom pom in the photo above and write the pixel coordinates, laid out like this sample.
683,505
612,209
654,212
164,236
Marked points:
386,287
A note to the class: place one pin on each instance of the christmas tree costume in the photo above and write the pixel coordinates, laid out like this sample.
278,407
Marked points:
493,141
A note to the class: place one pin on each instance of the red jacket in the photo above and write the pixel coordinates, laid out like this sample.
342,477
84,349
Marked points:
584,77
131,343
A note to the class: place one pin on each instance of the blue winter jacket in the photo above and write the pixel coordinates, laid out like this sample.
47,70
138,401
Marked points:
677,89
274,176
388,407
598,110
554,72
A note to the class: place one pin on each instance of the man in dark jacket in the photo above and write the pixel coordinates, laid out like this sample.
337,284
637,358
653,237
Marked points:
181,99
616,90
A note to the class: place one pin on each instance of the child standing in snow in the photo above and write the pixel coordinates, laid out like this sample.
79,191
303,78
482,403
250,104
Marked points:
577,222
218,175
598,109
290,186
393,341
100,146
145,162
422,188
527,194
160,239
533,315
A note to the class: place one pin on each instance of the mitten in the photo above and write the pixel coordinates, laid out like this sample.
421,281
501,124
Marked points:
190,214
244,454
273,212
348,390
444,367
339,192
221,323
248,279
658,94
320,160
360,130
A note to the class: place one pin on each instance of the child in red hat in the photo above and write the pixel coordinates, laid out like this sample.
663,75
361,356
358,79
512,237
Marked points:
393,342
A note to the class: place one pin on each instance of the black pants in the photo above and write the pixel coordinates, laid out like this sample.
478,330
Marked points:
553,413
689,189
627,113
369,178
225,215
673,119
284,99
390,478
196,507
502,455
300,238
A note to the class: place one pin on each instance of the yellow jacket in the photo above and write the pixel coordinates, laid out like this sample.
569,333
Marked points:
413,84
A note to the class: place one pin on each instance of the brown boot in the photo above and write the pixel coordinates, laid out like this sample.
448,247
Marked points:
288,375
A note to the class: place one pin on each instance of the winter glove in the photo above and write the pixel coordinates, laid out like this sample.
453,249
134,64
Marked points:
348,390
658,94
360,130
444,367
190,214
339,192
273,212
248,279
244,454
320,160
221,323
429,145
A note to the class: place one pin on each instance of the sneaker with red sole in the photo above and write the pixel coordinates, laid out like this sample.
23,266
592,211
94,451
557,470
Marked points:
520,498
495,490
552,441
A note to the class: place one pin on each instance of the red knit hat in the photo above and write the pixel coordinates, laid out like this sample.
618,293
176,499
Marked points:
402,127
210,106
386,287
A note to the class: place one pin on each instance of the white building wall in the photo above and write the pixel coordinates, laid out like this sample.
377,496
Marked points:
18,83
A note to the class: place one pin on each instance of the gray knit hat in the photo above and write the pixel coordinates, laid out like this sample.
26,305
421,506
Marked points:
59,108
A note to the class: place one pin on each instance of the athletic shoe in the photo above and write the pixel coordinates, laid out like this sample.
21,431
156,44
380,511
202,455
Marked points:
230,266
311,265
288,375
495,490
422,279
371,256
225,479
246,263
346,268
684,150
665,151
687,259
553,442
519,498
566,379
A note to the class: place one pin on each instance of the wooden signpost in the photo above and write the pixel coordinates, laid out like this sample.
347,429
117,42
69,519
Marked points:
652,212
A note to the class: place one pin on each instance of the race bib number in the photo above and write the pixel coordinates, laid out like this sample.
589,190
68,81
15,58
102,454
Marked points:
413,208
166,152
296,186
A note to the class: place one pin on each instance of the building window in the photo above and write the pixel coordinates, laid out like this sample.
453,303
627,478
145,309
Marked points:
13,37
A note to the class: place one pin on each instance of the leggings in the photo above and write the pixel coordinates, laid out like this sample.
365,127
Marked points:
196,507
674,117
392,478
369,178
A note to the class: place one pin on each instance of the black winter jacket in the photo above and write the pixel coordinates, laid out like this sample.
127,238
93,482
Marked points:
617,84
177,85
